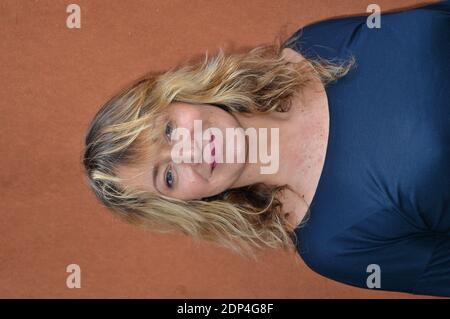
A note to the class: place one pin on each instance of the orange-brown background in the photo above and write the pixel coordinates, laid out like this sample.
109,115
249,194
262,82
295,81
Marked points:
53,81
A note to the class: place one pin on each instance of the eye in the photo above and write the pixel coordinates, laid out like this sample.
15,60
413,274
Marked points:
168,130
169,178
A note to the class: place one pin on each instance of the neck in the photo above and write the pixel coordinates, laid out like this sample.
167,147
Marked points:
252,170
308,116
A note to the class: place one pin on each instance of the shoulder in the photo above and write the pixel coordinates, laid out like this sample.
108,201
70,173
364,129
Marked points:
404,258
334,37
292,56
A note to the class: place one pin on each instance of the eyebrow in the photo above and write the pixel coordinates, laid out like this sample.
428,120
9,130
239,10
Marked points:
155,171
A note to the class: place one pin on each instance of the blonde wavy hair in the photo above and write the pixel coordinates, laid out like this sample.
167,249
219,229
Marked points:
127,127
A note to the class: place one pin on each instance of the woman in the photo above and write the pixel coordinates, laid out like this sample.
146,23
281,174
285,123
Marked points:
362,187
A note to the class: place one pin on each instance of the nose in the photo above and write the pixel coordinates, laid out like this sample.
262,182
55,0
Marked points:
191,154
192,158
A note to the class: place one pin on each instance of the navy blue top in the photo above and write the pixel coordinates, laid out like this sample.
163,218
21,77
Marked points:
383,197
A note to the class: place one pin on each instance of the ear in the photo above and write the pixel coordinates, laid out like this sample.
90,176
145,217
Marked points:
291,55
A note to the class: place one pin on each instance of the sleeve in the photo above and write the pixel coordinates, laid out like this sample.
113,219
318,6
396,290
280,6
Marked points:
332,38
327,39
435,278
385,252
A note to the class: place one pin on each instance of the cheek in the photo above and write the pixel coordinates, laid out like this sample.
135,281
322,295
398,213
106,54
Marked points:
191,186
231,171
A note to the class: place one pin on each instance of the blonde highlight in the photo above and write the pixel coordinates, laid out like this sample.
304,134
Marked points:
126,128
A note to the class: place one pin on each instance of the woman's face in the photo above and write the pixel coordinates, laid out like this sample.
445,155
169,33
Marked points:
173,171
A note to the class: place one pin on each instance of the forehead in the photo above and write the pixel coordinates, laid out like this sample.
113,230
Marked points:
180,107
144,155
